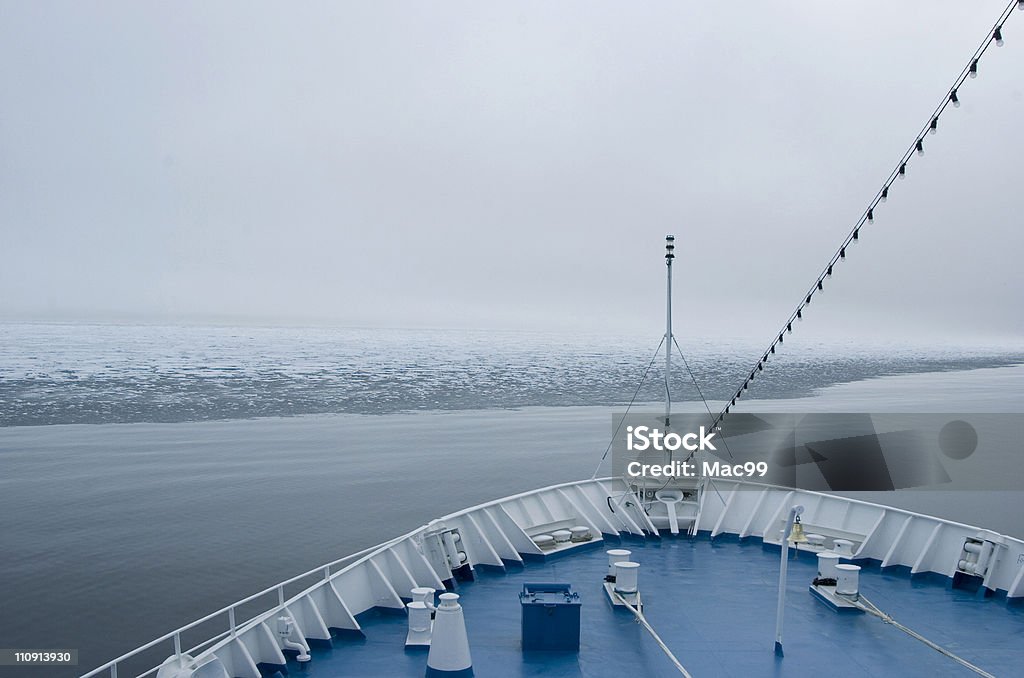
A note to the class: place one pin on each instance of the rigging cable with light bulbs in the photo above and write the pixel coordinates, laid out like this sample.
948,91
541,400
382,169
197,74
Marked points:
995,35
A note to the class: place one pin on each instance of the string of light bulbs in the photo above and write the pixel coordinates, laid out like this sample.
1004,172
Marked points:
952,97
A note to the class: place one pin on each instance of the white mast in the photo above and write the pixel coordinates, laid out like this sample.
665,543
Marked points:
669,256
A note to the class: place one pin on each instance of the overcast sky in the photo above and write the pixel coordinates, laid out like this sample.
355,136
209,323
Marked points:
508,165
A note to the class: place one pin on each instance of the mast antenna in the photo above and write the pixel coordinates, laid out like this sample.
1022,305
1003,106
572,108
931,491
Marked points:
670,245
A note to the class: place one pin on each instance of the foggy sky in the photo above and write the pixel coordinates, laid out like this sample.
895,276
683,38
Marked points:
508,165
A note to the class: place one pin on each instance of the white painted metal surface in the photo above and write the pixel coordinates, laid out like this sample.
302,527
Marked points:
449,644
501,531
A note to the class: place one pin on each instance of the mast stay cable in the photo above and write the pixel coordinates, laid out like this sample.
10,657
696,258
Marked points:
631,401
994,35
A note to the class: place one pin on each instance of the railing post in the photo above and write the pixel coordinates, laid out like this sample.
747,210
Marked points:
280,595
231,620
113,671
327,572
177,644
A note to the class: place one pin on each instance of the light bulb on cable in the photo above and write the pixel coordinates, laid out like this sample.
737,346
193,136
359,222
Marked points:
920,147
885,194
974,69
934,126
998,35
903,171
954,98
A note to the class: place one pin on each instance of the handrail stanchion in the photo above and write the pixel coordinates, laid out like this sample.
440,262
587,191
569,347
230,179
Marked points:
231,621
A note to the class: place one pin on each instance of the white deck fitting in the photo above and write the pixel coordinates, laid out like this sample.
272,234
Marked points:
499,532
622,599
828,595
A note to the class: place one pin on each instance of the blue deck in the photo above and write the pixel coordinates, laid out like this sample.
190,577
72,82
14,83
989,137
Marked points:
714,606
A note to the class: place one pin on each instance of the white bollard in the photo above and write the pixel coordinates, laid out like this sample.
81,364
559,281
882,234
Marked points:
815,540
419,624
449,644
425,595
617,556
827,562
419,616
843,547
544,541
847,579
580,533
626,577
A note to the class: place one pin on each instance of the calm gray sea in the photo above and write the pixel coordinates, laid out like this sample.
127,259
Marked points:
151,475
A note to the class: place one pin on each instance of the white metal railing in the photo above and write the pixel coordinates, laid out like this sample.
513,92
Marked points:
356,559
234,628
852,500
